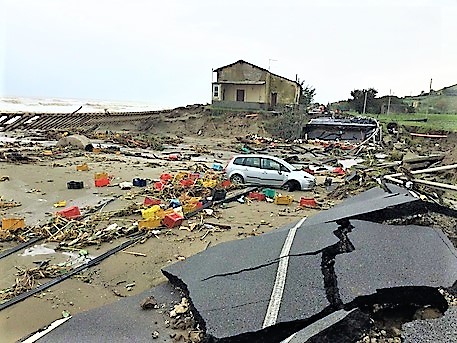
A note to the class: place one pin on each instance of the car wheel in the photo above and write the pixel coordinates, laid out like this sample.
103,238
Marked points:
290,186
237,179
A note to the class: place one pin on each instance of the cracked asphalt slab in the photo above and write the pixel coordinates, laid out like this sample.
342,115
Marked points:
231,293
338,326
387,256
443,330
122,321
372,200
232,286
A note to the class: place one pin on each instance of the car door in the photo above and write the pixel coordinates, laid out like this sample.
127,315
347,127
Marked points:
253,172
272,173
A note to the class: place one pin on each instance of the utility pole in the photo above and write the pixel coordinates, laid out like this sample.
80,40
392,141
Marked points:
365,103
388,103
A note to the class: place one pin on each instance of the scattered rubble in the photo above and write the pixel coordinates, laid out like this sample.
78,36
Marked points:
185,200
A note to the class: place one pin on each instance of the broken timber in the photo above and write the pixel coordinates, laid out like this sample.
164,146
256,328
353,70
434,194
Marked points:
44,121
74,271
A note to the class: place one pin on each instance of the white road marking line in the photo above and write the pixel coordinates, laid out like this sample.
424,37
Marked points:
280,281
35,337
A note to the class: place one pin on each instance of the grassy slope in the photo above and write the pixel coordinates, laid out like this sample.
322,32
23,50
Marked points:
433,103
435,122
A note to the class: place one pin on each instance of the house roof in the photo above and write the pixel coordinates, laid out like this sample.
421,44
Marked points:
242,82
255,66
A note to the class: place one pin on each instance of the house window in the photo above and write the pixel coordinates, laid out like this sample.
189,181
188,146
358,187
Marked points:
240,95
216,91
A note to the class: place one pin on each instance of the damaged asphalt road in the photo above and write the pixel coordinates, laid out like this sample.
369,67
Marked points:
268,288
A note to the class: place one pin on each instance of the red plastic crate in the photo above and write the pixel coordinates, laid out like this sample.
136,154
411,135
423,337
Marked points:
150,201
226,184
308,202
165,177
70,212
172,220
257,196
186,182
101,182
195,176
339,171
158,186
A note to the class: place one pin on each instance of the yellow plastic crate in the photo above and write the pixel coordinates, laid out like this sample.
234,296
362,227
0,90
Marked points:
102,175
209,183
181,175
153,211
150,223
190,207
283,200
82,167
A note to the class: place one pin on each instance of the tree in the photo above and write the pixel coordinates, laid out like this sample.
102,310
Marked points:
358,100
307,94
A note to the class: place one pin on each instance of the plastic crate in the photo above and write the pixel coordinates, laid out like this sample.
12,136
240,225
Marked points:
226,184
150,223
217,167
165,177
158,186
257,196
101,175
12,224
218,194
137,182
150,201
195,176
174,203
181,175
190,207
82,167
308,202
70,212
101,182
151,212
75,184
209,183
172,220
283,199
186,183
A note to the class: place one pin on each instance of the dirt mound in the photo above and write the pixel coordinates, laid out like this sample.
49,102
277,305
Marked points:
199,120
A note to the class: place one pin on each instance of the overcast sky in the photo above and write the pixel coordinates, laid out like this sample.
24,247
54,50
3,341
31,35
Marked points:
163,52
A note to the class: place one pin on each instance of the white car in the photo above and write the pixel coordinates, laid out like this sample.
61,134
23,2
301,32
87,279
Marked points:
268,171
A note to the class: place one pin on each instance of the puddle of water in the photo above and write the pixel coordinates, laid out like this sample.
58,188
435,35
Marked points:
38,250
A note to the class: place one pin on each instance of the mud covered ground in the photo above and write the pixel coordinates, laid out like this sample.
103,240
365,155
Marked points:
41,183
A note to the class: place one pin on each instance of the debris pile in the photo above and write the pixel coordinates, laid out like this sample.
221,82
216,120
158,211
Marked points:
27,279
358,256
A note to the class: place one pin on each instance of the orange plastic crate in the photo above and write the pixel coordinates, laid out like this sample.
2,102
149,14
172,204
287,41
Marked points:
12,224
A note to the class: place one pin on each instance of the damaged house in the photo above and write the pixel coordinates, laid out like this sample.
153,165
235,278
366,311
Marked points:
348,129
246,86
